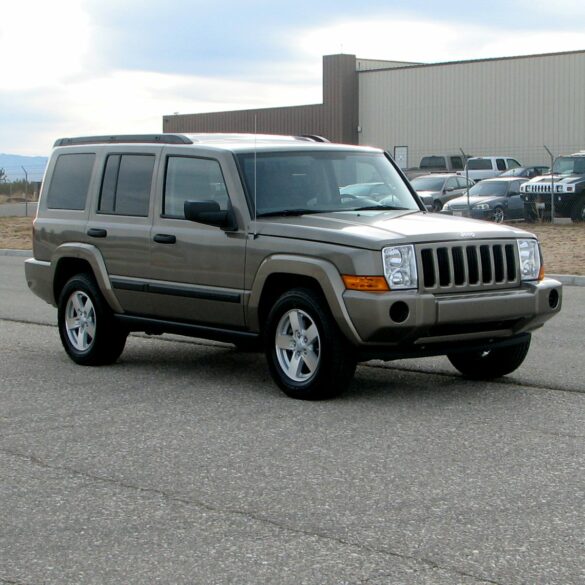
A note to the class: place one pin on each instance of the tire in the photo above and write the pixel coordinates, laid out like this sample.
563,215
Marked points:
499,215
437,206
307,355
486,365
89,333
578,210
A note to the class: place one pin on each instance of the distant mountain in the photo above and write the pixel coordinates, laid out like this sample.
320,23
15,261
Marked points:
13,163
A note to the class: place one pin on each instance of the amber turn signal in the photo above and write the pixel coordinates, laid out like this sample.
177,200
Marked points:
541,273
365,283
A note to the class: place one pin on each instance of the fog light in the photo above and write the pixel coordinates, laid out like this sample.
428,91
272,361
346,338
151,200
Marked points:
553,299
399,312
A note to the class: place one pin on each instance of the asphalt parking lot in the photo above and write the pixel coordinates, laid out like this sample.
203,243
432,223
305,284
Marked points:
183,463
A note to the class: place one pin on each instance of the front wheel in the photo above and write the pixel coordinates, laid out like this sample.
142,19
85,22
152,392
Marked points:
437,206
307,355
499,215
88,330
578,211
493,363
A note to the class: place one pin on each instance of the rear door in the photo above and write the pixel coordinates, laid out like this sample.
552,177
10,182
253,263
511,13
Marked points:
120,223
197,270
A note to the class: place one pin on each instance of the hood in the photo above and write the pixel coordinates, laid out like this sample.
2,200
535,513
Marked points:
376,229
559,179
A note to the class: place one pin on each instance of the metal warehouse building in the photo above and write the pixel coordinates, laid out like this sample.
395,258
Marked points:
511,106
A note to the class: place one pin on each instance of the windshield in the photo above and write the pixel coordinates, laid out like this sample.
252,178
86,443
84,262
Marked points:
295,183
569,165
427,184
486,188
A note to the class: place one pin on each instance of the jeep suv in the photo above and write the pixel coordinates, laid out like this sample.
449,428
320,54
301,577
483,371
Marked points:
253,240
567,181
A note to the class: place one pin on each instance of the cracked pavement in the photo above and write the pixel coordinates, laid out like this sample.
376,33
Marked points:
183,463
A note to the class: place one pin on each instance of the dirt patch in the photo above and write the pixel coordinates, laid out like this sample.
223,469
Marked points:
563,246
16,232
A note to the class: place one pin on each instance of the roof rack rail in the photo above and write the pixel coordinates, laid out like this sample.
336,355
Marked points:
313,137
125,138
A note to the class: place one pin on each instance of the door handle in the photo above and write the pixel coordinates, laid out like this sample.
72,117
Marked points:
97,233
165,239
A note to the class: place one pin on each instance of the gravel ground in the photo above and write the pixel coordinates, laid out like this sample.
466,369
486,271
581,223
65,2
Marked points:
563,245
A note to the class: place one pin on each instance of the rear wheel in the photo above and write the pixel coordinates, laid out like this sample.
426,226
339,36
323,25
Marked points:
437,206
89,333
493,363
307,355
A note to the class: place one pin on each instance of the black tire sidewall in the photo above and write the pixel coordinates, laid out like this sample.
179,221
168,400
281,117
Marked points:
334,371
109,339
499,362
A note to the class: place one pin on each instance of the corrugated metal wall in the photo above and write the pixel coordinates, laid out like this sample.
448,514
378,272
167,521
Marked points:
503,106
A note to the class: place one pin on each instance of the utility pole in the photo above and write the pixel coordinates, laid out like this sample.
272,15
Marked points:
25,192
552,185
465,157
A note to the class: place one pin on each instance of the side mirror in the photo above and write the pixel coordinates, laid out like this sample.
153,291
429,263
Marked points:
209,213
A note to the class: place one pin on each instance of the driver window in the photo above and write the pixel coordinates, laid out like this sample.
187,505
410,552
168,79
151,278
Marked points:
192,179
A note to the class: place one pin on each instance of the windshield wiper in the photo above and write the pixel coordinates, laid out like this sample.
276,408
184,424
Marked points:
379,208
289,212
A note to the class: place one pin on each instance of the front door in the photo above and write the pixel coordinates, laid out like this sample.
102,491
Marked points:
197,270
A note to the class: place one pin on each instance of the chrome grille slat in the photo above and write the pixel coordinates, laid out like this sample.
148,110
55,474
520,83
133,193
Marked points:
455,266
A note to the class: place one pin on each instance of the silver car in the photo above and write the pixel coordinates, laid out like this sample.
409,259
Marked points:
436,189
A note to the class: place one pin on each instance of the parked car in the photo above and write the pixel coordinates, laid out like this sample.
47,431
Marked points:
493,199
486,167
436,190
374,191
437,163
528,172
568,182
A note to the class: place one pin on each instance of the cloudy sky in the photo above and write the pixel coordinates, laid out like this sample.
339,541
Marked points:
74,67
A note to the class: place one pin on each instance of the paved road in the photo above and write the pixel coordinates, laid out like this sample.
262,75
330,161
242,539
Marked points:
184,464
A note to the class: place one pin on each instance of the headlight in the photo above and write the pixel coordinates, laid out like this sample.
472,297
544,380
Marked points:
400,267
529,259
481,206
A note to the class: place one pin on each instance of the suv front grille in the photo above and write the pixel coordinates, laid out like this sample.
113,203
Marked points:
454,266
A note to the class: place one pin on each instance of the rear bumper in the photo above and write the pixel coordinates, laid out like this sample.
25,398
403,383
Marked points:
393,321
39,277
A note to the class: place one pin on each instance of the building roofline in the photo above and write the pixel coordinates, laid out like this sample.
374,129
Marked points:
465,62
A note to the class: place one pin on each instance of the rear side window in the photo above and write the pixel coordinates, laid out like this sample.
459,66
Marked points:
500,163
70,181
126,184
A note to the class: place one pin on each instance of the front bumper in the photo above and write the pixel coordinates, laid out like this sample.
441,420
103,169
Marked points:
391,321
